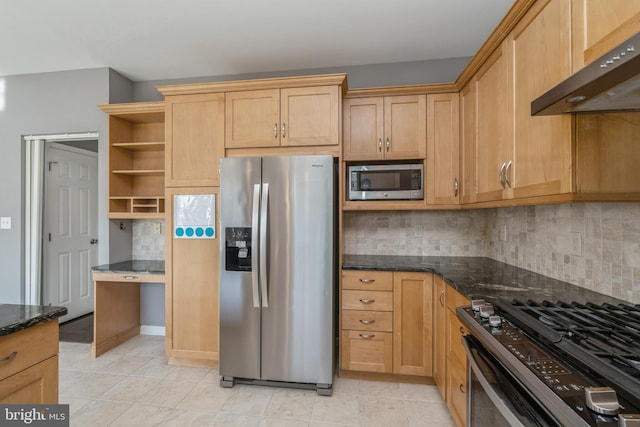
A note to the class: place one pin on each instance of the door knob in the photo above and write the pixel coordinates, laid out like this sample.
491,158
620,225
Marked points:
93,241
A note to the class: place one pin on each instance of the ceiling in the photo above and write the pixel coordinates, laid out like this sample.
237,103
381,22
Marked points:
167,39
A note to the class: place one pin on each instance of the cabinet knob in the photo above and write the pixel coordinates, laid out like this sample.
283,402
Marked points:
507,172
501,175
275,130
462,389
442,297
367,322
380,145
8,358
367,280
388,144
367,336
284,130
456,187
367,301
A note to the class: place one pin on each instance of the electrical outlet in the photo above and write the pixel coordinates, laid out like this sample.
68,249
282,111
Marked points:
576,243
157,228
5,223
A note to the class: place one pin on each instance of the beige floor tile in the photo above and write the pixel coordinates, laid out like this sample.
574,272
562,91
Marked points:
213,376
67,347
142,345
186,373
313,424
139,415
75,403
206,396
429,393
248,400
236,420
382,412
125,365
346,386
189,418
287,403
98,413
428,414
156,367
280,422
379,389
168,394
132,389
339,408
86,385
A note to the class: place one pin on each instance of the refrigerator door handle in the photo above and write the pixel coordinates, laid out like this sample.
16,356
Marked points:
254,245
264,227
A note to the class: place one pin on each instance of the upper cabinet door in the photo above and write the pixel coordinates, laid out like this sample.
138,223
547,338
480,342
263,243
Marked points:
252,119
363,129
405,127
443,146
542,144
599,26
195,139
310,116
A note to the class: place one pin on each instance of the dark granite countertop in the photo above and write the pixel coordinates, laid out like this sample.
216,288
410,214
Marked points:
16,317
137,266
478,277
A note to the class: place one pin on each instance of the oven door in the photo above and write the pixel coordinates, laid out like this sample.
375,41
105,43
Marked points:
495,397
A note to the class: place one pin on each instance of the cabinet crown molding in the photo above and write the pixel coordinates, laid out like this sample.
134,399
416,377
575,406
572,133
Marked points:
254,84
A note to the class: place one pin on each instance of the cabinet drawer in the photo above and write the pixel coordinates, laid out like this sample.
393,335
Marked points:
367,320
457,392
367,300
22,349
367,351
367,280
128,277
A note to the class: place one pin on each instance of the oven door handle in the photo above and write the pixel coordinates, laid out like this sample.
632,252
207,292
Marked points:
488,388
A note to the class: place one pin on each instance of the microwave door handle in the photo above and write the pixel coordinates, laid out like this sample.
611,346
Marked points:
255,234
508,415
264,235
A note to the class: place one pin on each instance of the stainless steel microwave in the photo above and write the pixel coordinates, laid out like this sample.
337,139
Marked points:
386,182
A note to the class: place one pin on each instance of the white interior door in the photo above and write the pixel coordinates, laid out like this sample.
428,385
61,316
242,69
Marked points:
69,228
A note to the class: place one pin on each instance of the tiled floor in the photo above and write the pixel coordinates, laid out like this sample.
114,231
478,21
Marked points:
132,385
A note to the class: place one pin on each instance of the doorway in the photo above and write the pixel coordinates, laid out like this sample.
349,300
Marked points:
62,201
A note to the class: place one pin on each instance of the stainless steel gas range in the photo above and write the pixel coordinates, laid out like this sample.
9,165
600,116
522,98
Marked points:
552,364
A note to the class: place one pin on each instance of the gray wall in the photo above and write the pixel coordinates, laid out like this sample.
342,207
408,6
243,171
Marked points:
360,76
43,104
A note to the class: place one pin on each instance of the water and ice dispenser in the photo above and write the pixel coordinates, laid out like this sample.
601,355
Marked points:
237,248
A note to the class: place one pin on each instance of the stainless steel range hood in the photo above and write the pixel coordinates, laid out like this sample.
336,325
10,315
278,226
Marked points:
610,83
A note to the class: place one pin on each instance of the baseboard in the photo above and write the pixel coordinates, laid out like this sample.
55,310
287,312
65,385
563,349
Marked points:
152,330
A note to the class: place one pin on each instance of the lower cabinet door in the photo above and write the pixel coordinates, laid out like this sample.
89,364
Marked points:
369,351
35,385
457,392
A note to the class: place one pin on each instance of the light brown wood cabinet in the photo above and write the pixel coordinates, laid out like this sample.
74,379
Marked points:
195,139
305,116
191,287
31,375
136,160
520,159
456,369
385,128
443,149
386,322
412,323
599,26
440,320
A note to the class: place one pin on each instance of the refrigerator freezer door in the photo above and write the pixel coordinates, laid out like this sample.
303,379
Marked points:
297,326
239,320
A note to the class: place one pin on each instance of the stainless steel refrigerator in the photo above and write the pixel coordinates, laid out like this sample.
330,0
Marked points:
277,272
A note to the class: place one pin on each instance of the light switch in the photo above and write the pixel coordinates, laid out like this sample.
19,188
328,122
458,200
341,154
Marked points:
5,223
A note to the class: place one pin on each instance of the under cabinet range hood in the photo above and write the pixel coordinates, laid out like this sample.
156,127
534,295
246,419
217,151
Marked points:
610,83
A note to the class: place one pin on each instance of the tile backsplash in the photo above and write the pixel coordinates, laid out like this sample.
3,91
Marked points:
148,243
593,245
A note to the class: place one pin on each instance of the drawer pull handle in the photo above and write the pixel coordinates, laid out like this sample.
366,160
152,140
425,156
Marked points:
9,357
130,277
367,322
367,280
367,301
461,331
367,336
462,389
442,298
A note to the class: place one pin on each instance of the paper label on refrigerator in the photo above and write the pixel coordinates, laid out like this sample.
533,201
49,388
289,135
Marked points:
194,216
